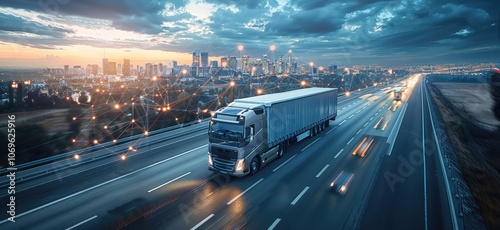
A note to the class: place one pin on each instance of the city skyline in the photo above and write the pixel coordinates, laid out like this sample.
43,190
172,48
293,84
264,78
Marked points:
57,33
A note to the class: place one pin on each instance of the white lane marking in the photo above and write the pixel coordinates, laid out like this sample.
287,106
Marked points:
322,170
309,145
202,222
364,107
376,114
103,183
300,195
274,224
350,140
179,177
338,153
359,131
365,124
281,165
358,111
351,116
246,190
83,222
371,118
330,130
342,122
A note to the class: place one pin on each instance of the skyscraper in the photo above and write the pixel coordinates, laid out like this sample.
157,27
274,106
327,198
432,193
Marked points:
204,59
126,67
246,64
196,60
233,63
105,66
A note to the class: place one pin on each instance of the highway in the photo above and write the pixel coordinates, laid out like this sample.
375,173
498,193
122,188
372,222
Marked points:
165,184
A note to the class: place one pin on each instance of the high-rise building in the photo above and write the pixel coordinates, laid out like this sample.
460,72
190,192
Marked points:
126,67
196,60
246,64
160,69
223,62
214,64
119,70
66,69
105,66
204,59
233,63
174,64
148,70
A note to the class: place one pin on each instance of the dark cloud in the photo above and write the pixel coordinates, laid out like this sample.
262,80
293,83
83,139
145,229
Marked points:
124,14
353,31
310,23
17,24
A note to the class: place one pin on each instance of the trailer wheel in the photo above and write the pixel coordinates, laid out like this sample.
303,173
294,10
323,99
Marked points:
327,123
254,166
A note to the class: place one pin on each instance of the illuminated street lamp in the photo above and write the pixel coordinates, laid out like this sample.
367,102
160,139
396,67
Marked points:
231,83
259,91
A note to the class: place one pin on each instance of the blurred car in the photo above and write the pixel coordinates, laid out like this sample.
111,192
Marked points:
341,182
363,147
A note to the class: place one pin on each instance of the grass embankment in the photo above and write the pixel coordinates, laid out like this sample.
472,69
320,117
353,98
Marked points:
479,158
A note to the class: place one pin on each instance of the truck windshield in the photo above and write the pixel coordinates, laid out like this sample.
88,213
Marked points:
227,131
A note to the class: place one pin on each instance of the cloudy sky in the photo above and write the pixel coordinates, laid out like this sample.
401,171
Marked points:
51,33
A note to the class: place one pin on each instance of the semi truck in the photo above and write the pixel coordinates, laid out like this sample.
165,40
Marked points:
398,93
251,132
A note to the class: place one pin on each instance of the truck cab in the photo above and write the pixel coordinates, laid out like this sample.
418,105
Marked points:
235,134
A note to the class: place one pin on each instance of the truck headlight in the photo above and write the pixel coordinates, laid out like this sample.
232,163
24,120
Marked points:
239,164
210,162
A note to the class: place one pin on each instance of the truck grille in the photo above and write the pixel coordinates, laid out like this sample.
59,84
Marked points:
223,164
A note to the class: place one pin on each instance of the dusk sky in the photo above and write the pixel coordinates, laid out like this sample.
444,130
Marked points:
52,33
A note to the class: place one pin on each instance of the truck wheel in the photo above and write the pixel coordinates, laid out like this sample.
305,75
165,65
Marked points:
327,123
281,151
254,166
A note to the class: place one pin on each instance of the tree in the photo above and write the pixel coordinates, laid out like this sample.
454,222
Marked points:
83,97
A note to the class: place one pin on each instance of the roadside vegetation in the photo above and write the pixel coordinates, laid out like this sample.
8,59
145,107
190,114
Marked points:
479,158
